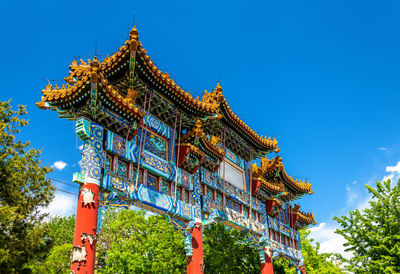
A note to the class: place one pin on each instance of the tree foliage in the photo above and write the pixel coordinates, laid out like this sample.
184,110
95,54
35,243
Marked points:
227,251
59,237
373,234
24,190
314,260
130,242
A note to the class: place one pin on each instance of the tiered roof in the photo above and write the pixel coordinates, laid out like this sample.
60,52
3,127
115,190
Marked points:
212,104
273,176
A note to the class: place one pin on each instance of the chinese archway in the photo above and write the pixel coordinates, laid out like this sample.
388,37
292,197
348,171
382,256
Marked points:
151,144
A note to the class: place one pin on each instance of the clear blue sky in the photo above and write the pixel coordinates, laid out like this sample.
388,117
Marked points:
320,76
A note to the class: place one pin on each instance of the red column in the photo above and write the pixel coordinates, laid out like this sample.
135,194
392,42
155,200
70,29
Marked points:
195,264
267,268
83,254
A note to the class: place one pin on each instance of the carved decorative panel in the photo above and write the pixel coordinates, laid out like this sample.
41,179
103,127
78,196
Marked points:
155,144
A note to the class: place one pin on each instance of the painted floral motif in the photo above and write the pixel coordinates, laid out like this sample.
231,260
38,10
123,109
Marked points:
151,182
185,178
155,162
134,175
154,144
108,163
219,199
210,194
122,169
232,205
165,188
119,145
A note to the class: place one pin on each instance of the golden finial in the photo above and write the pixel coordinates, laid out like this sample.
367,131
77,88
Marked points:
134,34
218,87
94,63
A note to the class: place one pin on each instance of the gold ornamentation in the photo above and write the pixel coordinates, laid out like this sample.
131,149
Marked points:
215,140
131,95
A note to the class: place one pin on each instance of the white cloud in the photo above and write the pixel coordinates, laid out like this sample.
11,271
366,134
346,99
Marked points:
81,147
382,148
60,165
388,177
318,228
394,169
63,204
330,242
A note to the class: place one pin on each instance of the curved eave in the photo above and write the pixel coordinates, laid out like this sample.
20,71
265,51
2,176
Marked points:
270,187
298,187
114,61
66,95
245,131
192,149
306,219
67,98
278,202
211,149
120,102
171,89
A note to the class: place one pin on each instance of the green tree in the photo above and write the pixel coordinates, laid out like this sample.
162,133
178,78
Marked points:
59,238
373,234
24,190
130,242
227,251
314,261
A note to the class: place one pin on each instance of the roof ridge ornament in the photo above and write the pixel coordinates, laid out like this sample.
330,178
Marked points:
213,98
134,34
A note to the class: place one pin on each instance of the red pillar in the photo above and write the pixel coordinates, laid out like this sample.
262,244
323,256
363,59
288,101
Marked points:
85,229
195,264
267,268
